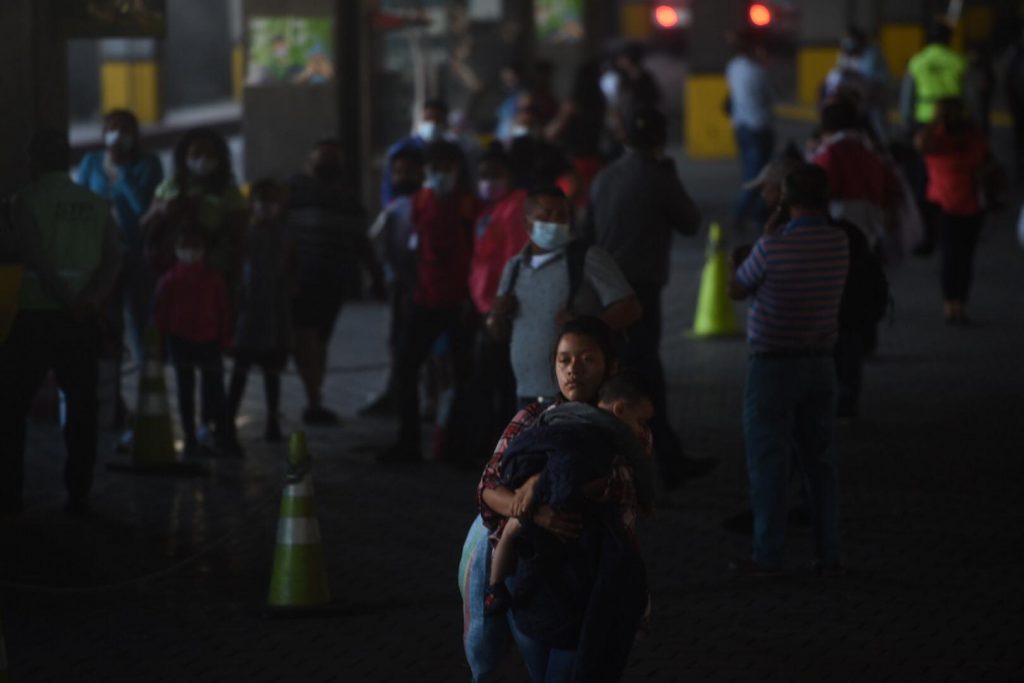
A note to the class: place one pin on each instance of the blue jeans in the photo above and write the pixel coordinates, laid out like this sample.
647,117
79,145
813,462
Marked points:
544,664
789,412
755,147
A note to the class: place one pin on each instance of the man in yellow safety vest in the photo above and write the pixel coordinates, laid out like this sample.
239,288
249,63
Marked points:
934,73
66,239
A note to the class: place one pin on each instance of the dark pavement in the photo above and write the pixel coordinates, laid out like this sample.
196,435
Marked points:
167,581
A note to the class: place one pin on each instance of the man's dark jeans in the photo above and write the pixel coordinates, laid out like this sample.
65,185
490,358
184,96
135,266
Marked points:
40,341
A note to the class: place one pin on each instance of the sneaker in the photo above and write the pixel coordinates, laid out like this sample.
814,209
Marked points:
497,600
126,442
752,570
320,416
382,406
400,453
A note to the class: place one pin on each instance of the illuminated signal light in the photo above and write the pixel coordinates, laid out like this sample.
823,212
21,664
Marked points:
666,16
760,15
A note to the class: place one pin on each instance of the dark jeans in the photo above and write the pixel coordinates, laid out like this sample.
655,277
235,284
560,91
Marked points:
205,357
422,328
958,236
40,341
788,413
755,148
643,354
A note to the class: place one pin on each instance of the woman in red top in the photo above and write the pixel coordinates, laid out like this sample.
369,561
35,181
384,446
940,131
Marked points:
955,151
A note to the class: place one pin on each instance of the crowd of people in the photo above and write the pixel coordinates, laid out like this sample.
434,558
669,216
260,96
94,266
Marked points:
524,282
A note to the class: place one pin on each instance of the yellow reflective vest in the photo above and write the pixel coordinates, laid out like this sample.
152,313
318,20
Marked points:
71,224
938,72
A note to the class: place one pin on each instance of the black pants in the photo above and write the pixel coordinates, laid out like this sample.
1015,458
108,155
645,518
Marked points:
271,363
643,354
40,341
422,328
205,357
958,237
490,396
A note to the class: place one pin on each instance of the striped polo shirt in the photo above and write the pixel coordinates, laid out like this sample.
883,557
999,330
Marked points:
797,280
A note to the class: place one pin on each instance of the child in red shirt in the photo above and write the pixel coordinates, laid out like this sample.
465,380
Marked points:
191,311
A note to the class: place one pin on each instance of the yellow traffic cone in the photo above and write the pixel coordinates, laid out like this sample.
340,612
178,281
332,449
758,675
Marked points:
715,314
153,439
299,579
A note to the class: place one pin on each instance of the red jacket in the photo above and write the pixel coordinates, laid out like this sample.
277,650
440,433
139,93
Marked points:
953,163
443,230
192,303
500,235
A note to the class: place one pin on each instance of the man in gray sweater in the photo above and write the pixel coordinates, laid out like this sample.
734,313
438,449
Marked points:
635,205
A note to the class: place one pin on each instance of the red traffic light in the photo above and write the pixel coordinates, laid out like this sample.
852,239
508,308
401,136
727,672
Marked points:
666,16
760,15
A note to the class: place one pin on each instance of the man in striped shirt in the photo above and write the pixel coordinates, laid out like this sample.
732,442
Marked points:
795,274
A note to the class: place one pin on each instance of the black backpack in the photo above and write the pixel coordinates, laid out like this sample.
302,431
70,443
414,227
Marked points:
576,259
866,296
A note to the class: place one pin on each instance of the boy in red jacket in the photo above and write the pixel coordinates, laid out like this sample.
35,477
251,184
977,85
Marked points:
442,239
191,311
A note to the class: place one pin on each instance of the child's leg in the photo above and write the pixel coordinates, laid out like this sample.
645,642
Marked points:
184,373
503,559
212,372
239,375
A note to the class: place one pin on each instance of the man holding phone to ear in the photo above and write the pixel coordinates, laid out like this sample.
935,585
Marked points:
795,274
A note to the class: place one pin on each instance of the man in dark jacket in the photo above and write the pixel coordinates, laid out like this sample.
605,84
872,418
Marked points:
635,205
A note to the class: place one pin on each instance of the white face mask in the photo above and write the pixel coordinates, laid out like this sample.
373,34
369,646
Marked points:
189,255
520,131
429,130
201,166
550,236
116,138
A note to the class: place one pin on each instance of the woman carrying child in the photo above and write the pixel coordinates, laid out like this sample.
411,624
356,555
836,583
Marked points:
585,358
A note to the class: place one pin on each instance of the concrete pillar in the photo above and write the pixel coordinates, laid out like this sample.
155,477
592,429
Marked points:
33,85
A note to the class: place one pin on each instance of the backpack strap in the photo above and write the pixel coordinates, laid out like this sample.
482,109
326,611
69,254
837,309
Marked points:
576,259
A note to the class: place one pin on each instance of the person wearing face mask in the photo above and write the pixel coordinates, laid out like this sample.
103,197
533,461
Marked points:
191,310
442,239
126,176
66,239
636,203
498,236
261,326
201,192
390,235
431,127
512,90
553,279
327,226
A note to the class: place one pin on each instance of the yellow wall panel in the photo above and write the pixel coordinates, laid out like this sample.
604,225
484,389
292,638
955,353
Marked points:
707,128
636,21
812,65
899,43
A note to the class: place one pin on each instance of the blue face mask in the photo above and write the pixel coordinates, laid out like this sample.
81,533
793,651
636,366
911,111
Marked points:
550,236
440,183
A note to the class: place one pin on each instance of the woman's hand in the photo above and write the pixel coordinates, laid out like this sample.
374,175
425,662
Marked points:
565,526
523,499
